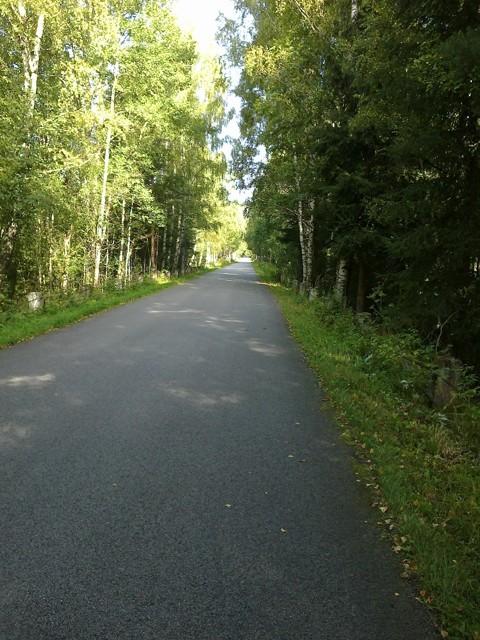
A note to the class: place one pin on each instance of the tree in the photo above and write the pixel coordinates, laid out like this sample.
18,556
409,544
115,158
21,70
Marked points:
109,156
359,138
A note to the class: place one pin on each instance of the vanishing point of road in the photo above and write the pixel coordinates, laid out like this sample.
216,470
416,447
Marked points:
168,473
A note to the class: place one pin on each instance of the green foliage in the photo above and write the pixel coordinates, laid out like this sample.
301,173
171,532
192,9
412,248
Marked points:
108,161
421,465
224,238
373,118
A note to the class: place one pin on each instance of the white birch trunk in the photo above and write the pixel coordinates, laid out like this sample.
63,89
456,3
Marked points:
31,56
100,233
341,282
308,237
101,223
66,260
107,256
30,59
301,231
354,9
178,244
128,252
35,60
50,247
122,245
305,232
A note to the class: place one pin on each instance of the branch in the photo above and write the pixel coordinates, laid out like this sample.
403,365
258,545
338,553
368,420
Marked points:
305,16
441,327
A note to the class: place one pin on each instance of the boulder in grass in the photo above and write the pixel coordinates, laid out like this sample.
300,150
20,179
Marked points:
445,383
35,300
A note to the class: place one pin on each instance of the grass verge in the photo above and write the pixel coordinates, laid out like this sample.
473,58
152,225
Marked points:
18,326
421,465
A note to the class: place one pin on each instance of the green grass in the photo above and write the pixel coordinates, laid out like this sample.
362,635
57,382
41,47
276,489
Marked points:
422,466
18,326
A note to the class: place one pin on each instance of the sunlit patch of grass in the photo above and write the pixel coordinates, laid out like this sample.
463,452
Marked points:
421,466
18,326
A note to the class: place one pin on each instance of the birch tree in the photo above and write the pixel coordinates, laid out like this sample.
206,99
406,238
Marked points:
108,157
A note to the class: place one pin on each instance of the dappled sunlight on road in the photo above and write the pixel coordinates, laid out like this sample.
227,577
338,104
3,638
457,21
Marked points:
236,280
179,311
12,435
201,399
217,322
37,381
269,350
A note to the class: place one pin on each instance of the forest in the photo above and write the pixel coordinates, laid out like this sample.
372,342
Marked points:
359,154
360,139
110,161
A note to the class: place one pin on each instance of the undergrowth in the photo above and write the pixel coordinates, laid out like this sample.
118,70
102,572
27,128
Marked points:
421,465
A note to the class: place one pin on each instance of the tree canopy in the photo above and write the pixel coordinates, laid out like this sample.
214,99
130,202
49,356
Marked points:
360,138
110,160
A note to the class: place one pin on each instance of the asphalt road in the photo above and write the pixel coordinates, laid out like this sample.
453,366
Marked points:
168,473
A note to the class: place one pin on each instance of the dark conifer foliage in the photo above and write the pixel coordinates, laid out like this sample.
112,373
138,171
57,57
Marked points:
367,116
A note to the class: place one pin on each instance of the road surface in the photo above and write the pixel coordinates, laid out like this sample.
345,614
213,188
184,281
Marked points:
168,473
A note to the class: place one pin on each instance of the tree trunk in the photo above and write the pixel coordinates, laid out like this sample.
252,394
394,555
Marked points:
31,57
128,252
178,244
361,288
169,241
107,256
341,282
120,270
305,231
100,234
30,60
301,235
354,9
66,260
164,247
153,251
50,253
308,236
34,61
